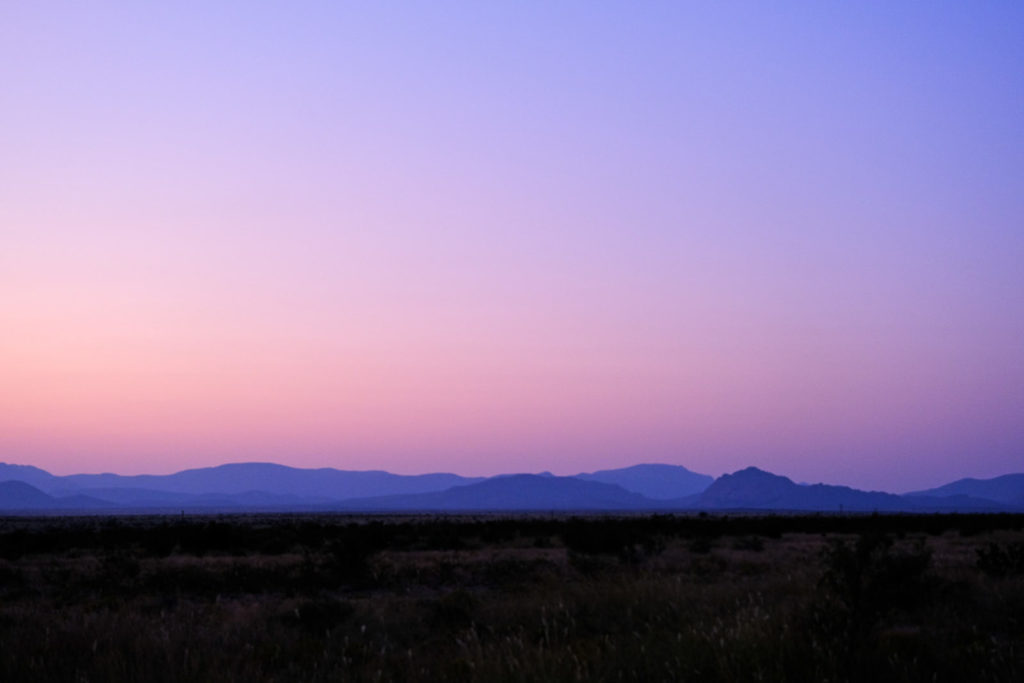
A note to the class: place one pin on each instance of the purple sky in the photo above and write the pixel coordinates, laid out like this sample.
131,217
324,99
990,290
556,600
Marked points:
493,237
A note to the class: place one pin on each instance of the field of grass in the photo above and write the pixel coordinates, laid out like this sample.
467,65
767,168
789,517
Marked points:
532,598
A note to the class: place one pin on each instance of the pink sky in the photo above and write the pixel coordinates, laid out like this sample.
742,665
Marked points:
515,238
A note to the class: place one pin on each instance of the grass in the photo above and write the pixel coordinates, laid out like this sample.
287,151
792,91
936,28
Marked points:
318,598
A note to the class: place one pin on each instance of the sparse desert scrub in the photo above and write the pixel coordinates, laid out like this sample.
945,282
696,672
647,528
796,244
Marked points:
309,598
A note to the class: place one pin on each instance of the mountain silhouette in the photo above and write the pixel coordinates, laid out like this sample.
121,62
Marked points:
173,500
515,492
18,495
272,487
41,479
755,489
239,478
1008,489
659,482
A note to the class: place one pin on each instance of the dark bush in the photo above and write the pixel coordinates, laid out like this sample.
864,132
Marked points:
1001,560
350,554
751,543
320,615
630,540
702,545
118,568
452,611
869,577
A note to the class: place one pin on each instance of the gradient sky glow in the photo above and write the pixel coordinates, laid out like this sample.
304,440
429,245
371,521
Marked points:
514,236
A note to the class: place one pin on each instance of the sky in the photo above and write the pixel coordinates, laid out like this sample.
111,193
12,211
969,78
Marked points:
514,236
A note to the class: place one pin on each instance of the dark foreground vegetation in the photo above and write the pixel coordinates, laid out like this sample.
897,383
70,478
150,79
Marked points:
326,598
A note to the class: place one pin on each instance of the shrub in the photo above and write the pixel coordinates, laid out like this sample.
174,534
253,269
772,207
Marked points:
702,545
870,577
320,615
452,611
752,543
627,539
1001,560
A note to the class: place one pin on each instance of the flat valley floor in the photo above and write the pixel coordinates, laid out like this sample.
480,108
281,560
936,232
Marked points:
495,598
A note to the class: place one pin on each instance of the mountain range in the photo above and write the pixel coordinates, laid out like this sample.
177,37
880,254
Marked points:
647,487
1008,489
